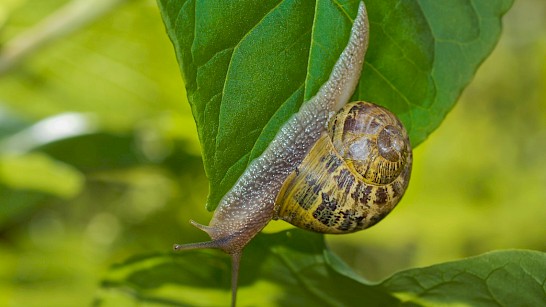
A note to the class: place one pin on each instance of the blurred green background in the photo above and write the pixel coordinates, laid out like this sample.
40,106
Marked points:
99,157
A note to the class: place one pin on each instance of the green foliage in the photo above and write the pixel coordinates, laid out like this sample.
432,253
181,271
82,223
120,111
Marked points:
96,143
294,268
125,180
39,172
501,278
245,76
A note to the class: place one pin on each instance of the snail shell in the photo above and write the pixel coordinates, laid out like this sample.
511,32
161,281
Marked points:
353,176
275,184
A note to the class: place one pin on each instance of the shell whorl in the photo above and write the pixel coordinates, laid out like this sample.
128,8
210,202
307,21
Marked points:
371,140
353,176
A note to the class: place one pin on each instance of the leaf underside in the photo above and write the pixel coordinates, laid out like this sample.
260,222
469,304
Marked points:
294,268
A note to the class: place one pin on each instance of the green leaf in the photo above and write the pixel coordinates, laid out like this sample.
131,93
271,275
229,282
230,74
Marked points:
294,268
38,172
248,65
286,269
500,278
101,70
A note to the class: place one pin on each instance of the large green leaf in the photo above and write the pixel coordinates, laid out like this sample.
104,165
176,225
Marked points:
248,65
500,278
294,268
286,269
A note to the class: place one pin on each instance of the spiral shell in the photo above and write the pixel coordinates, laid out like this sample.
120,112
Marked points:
353,176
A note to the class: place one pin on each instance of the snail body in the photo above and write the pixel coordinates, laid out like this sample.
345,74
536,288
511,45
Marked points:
333,167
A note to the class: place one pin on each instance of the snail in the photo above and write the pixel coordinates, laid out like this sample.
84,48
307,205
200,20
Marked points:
333,167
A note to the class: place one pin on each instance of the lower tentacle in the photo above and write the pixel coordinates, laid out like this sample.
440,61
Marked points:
222,244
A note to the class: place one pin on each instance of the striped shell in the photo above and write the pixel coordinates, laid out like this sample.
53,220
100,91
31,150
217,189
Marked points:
353,176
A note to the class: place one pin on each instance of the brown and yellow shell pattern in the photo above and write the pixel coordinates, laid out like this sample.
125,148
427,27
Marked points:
353,176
